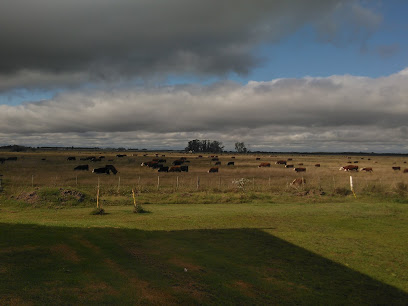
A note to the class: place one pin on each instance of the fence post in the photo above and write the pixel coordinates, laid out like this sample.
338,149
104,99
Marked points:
158,182
32,181
177,183
118,183
97,196
351,186
198,182
1,187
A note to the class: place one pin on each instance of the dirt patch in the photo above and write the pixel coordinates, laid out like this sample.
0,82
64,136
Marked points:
245,288
152,295
29,197
14,301
67,194
180,262
66,252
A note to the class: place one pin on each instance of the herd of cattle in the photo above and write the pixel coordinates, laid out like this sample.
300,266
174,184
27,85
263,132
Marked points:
182,164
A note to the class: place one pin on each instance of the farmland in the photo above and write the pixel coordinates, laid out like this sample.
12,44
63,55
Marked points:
205,237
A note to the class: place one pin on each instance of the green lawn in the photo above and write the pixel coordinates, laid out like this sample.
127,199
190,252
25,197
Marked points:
343,252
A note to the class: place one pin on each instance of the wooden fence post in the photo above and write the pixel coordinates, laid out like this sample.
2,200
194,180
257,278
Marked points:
97,196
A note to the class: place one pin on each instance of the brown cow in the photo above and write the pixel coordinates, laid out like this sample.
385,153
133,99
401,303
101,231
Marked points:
213,170
175,169
300,169
281,162
349,168
405,170
317,165
396,168
289,166
264,165
258,158
367,169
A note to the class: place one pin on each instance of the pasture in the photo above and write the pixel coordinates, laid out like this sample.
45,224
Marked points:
243,235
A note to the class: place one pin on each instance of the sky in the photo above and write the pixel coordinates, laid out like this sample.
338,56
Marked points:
293,75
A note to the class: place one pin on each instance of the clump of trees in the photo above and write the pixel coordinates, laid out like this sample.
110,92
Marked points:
210,146
240,147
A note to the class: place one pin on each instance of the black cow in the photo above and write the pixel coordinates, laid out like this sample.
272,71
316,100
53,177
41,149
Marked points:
184,168
2,160
82,167
217,163
71,158
178,162
163,169
230,164
121,155
111,168
101,170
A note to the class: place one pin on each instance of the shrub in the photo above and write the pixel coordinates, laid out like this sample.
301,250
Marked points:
342,191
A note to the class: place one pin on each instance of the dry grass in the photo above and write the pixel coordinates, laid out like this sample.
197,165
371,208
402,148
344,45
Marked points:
30,171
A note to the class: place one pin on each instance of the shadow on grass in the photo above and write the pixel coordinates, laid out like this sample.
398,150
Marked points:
124,266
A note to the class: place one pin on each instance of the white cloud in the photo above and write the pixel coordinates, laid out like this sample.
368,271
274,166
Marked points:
331,114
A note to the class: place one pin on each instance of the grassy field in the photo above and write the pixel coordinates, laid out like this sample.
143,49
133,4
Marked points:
215,244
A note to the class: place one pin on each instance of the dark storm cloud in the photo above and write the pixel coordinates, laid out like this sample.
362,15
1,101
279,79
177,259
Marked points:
319,113
47,43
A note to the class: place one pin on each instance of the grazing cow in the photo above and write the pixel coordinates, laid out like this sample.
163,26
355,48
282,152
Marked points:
300,164
289,159
163,169
111,168
281,162
367,169
101,170
300,169
156,166
317,165
215,159
356,162
289,166
121,155
178,162
2,160
175,169
231,164
184,168
405,170
217,163
82,167
258,158
213,170
264,165
405,162
71,158
233,157
298,182
199,156
349,168
96,159
396,168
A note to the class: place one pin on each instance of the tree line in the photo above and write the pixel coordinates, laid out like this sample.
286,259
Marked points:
212,146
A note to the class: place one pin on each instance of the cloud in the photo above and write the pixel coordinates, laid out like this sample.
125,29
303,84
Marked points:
329,113
51,43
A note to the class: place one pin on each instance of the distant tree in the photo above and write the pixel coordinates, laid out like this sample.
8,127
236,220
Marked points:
197,145
240,147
